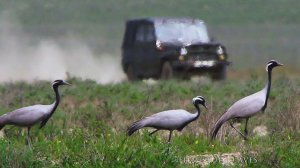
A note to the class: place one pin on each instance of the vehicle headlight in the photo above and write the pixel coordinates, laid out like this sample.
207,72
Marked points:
220,50
159,45
222,57
183,51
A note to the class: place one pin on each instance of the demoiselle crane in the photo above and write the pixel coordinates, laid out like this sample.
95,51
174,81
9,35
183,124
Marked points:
247,106
31,115
169,120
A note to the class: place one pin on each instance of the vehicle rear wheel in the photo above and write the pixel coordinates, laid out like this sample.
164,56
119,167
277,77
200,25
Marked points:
219,73
130,73
166,71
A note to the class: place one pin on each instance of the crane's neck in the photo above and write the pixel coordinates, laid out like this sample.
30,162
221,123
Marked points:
54,106
267,89
197,114
57,99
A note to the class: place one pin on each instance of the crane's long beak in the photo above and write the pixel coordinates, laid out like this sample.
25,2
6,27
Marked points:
66,83
205,106
279,64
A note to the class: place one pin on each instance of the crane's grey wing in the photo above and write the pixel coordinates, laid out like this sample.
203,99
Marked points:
171,119
247,106
27,116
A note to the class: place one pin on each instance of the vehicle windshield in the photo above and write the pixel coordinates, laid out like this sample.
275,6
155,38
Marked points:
184,32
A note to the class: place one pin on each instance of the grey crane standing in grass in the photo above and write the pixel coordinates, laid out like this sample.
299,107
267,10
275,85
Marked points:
169,120
247,106
31,115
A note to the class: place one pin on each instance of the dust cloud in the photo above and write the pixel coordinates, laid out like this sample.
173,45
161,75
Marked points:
21,59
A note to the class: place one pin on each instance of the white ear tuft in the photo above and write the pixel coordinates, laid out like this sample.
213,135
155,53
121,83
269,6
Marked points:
200,98
268,66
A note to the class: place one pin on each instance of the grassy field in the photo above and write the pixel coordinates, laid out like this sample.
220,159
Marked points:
88,129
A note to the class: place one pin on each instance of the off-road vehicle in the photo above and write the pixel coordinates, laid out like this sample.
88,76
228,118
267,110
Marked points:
167,47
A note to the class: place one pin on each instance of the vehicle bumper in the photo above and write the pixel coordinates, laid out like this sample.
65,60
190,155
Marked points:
198,66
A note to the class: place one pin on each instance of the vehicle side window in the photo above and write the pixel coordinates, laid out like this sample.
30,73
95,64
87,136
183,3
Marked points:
145,33
149,32
140,34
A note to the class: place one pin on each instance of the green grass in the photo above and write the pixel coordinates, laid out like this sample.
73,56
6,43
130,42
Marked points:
89,127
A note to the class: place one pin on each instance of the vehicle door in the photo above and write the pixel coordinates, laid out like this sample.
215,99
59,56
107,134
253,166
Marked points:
145,48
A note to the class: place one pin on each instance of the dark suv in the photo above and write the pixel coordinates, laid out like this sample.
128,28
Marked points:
167,47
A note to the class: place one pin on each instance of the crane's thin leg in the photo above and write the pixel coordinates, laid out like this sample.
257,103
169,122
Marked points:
246,129
170,136
153,132
169,141
237,130
28,140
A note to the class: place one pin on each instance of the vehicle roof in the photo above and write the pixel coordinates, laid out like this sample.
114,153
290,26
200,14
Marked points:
165,19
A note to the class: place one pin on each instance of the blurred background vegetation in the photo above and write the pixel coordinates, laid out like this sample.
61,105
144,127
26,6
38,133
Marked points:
254,31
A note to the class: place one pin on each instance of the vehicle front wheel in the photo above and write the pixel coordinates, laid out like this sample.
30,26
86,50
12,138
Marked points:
166,71
130,73
219,73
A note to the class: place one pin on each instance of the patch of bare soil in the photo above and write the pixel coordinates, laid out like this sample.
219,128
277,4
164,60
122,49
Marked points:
226,159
